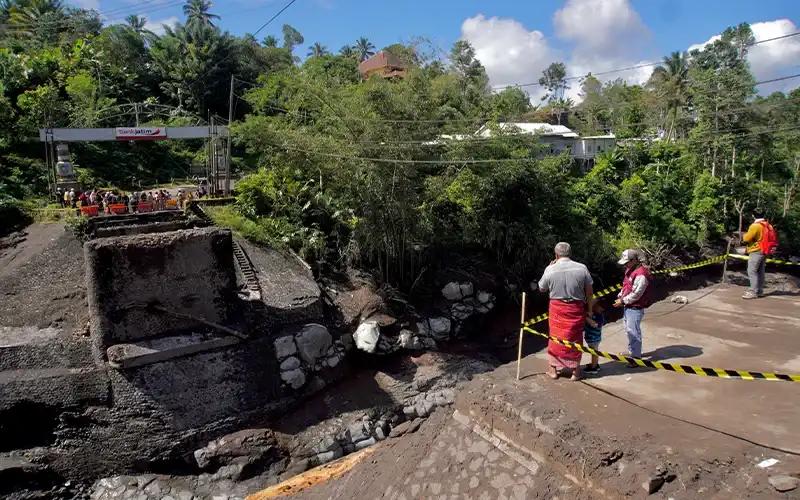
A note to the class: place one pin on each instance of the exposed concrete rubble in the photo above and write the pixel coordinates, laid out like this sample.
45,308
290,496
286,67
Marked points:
377,332
307,352
190,272
289,294
178,358
245,461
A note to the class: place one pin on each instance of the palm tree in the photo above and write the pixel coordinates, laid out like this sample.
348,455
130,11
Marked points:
270,41
669,81
364,48
348,51
24,16
317,50
197,14
136,23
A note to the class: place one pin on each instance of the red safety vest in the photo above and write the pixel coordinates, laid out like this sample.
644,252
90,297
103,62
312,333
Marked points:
627,286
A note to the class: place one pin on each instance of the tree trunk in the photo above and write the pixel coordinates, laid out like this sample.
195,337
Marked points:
739,206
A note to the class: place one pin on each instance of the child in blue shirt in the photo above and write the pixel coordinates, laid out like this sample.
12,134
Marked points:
592,331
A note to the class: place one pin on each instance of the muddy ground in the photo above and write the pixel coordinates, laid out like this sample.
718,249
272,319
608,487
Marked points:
42,279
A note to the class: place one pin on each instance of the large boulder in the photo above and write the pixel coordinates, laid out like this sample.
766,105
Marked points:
294,378
313,342
367,336
285,347
358,304
439,328
253,444
455,291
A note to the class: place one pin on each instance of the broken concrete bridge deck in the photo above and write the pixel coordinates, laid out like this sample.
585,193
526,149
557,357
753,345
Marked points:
684,420
715,329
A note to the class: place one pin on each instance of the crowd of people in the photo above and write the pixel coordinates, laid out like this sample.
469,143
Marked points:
111,201
577,317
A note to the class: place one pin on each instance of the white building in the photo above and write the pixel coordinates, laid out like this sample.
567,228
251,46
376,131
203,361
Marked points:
557,138
587,148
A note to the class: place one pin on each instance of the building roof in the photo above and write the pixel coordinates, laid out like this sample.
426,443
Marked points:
606,136
380,60
529,128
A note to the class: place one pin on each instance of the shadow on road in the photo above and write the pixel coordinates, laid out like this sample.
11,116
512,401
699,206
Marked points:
673,352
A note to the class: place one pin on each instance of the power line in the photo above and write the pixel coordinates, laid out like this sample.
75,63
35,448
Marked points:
206,73
484,119
780,79
636,66
120,11
274,17
482,161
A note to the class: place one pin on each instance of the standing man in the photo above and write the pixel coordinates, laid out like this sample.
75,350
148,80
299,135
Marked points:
570,287
634,298
761,240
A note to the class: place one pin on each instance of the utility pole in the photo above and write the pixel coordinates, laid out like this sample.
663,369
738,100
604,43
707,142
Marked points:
230,122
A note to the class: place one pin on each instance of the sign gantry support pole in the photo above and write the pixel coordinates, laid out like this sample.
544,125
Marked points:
227,189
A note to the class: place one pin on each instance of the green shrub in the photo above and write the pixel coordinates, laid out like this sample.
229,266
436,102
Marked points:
77,225
12,216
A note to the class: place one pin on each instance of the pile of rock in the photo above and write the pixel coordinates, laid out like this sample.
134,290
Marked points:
461,303
425,403
308,351
241,455
464,302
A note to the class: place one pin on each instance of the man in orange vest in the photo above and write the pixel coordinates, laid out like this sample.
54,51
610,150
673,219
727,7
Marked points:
759,231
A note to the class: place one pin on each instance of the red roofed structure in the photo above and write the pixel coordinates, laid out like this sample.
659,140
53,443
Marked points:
384,64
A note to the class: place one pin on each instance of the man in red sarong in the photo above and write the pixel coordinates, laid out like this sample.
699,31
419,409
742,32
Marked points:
570,287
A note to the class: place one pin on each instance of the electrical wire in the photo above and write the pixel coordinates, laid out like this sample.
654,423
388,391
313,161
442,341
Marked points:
470,161
636,66
26,27
379,120
275,16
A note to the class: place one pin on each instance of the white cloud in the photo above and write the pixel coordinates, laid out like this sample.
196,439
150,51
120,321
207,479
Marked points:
771,59
776,58
157,26
87,4
602,34
604,28
699,46
509,52
607,34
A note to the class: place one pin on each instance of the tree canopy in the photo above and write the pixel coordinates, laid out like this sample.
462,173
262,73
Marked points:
385,173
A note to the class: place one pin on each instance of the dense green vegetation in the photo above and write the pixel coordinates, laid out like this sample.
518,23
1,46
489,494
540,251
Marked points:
347,171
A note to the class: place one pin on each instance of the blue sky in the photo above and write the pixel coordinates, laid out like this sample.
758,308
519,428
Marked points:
515,39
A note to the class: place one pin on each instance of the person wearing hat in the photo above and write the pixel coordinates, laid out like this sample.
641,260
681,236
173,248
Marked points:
634,298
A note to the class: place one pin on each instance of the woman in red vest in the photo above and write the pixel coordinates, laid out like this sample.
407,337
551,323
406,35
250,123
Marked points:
634,297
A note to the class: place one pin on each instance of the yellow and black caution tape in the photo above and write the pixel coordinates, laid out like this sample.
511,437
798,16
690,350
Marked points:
696,265
769,260
672,367
618,286
702,263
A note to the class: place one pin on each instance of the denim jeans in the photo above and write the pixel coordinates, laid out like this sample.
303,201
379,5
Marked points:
755,271
632,319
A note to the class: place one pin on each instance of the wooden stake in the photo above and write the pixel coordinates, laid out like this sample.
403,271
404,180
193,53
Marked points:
521,330
725,265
